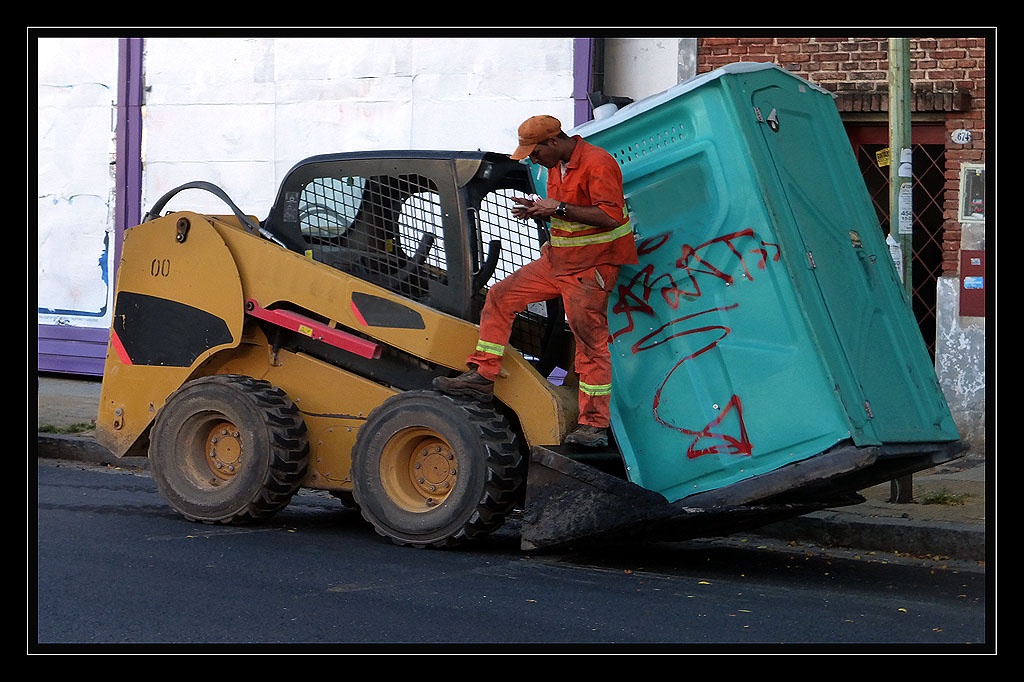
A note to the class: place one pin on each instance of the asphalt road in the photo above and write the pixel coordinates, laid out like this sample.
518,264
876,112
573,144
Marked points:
118,571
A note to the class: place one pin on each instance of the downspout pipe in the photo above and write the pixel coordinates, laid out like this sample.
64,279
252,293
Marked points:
582,73
128,162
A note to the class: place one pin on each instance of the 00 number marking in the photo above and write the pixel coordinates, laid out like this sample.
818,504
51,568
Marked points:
160,267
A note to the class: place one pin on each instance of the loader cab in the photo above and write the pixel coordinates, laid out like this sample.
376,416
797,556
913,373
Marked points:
432,226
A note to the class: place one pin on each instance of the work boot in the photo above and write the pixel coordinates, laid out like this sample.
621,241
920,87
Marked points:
468,384
588,436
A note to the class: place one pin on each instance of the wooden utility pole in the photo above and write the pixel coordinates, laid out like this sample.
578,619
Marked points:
901,184
901,168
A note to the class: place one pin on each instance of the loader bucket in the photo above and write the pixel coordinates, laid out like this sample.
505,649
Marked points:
569,503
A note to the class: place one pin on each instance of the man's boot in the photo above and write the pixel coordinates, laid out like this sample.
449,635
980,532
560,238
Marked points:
469,384
588,436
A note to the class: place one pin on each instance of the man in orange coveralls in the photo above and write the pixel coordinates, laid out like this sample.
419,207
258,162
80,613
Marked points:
591,238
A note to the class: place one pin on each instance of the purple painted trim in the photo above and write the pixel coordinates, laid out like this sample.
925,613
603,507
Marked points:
582,68
128,188
71,350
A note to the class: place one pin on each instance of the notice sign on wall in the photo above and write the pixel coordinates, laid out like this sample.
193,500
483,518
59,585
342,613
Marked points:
972,283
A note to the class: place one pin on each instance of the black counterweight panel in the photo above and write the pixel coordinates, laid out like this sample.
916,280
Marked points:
156,331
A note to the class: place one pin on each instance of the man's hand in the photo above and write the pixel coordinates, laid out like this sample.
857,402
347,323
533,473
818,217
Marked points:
534,207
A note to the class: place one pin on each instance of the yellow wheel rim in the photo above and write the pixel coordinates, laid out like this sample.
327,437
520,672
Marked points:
223,450
418,469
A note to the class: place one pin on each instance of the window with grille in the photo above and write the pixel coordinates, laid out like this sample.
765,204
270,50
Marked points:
520,243
389,230
385,229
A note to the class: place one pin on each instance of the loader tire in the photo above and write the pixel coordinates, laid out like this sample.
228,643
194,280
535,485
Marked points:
228,449
430,470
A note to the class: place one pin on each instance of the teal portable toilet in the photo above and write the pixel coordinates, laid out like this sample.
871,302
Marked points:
766,323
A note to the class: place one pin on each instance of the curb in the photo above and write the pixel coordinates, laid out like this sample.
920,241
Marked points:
936,539
825,528
83,449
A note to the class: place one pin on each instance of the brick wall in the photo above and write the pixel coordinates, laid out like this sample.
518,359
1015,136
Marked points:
947,77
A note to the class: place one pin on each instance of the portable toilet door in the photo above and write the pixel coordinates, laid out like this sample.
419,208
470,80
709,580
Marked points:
850,289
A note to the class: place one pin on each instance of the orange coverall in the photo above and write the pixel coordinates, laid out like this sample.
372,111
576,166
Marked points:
580,264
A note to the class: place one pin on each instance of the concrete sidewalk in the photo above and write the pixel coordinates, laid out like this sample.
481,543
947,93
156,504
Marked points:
947,518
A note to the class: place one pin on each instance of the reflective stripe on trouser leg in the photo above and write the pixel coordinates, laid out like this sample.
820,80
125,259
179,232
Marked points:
529,284
586,308
595,405
603,389
487,359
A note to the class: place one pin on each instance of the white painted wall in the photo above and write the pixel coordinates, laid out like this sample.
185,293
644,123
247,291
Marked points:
239,112
641,67
77,91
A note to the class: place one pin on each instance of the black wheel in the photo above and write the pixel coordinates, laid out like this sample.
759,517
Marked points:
228,449
430,470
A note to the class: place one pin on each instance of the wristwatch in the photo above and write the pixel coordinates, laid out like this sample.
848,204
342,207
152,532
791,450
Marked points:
560,211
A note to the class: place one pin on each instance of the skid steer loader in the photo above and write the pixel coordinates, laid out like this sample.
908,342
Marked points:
765,359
